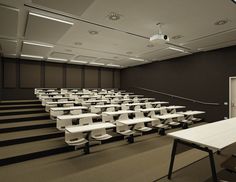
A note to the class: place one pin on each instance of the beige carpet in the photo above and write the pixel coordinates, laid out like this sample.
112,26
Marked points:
144,161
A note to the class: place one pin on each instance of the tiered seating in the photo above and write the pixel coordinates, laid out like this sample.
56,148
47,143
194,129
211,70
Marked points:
130,114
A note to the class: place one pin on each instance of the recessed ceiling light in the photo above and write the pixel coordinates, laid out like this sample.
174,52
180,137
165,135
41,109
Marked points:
57,59
177,49
137,59
114,16
221,22
38,44
78,43
129,52
95,63
93,32
31,56
50,18
150,45
77,61
177,37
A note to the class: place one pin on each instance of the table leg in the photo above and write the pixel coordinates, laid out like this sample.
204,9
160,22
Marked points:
213,169
86,148
131,138
172,158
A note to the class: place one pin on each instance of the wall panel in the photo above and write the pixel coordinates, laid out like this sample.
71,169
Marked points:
53,75
117,78
10,73
106,78
73,76
30,74
91,75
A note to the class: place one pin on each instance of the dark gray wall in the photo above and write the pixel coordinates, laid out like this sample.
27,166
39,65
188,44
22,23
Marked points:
1,76
20,77
203,76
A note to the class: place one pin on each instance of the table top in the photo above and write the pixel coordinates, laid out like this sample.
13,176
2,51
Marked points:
119,112
86,128
60,102
135,104
175,107
188,113
90,101
79,116
107,106
168,116
158,102
136,120
217,135
68,108
151,109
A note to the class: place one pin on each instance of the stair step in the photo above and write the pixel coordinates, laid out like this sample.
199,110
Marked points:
23,117
17,137
21,106
27,125
22,152
20,111
15,102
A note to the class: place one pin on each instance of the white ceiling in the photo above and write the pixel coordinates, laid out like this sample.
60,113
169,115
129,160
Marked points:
68,39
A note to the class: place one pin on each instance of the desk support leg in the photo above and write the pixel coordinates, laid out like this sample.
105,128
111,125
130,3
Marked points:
213,169
172,158
86,148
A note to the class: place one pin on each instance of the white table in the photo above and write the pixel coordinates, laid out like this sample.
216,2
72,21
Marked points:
135,104
79,116
209,137
87,129
172,109
68,108
96,101
119,112
168,116
107,106
136,121
152,109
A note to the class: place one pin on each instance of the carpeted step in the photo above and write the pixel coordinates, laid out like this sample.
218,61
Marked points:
23,117
27,151
18,137
5,112
27,125
15,102
21,106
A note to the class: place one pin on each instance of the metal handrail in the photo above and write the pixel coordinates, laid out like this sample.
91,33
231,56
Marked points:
178,97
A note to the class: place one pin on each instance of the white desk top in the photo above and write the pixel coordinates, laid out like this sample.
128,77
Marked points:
68,108
79,116
175,107
141,99
56,97
90,101
107,106
151,109
158,102
135,104
60,102
136,120
217,135
188,113
168,116
86,128
119,112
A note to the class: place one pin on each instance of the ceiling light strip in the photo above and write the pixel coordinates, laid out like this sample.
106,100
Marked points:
137,59
176,49
77,61
57,59
38,44
114,65
31,56
94,63
50,18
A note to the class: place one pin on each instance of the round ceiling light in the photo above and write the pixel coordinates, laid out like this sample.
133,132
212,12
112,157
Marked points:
221,22
93,32
78,43
113,16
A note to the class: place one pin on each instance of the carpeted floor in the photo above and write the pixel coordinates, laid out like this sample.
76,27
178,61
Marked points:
145,160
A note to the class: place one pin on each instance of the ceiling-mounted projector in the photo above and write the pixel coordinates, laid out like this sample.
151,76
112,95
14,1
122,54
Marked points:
159,38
